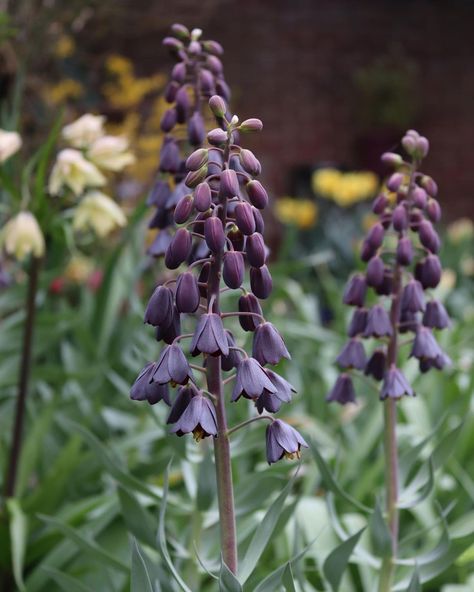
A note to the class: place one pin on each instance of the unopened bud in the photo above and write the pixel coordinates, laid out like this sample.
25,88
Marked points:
168,121
218,106
261,281
183,209
233,269
194,48
202,197
375,272
179,72
179,249
257,194
217,136
249,162
404,251
187,293
409,144
422,147
213,47
419,197
392,159
248,303
229,184
214,64
430,185
400,218
380,203
375,236
395,181
214,234
197,159
433,210
196,129
193,178
428,236
172,43
255,250
236,238
251,125
244,218
180,31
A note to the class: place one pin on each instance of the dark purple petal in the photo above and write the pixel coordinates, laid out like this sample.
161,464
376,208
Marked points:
352,355
343,391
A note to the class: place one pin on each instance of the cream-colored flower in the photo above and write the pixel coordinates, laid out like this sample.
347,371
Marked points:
22,236
10,142
98,212
85,130
111,153
72,170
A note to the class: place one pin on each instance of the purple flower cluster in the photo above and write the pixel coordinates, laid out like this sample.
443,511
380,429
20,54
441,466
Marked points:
401,252
196,76
220,209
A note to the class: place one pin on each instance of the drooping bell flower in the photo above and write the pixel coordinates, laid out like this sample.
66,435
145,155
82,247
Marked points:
209,336
251,380
283,441
199,417
395,385
343,391
172,366
143,389
268,345
352,355
159,310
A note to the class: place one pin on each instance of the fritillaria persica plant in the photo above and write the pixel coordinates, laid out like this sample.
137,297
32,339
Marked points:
221,216
401,253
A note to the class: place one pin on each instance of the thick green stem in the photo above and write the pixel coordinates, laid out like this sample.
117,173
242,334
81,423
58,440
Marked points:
23,381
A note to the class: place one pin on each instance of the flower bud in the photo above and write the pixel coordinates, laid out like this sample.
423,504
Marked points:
428,236
395,181
375,236
187,293
179,72
255,250
358,322
179,249
170,91
251,125
257,194
180,31
367,251
422,147
172,43
214,64
218,106
244,218
194,48
183,209
375,272
419,197
213,47
168,121
229,184
197,159
234,358
249,162
236,238
400,218
354,293
433,210
194,178
415,219
386,287
170,158
268,345
409,144
404,251
430,185
248,303
214,234
413,299
259,223
380,203
202,197
182,104
376,365
159,310
261,281
428,271
233,269
206,80
196,129
223,89
392,159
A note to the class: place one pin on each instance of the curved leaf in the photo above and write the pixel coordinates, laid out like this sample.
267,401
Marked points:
336,562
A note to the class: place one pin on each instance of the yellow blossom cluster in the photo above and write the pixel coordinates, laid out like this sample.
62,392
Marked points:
345,189
302,213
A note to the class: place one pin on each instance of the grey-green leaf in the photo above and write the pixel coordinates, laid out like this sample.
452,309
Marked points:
379,533
414,585
137,519
18,536
227,580
141,580
336,562
287,579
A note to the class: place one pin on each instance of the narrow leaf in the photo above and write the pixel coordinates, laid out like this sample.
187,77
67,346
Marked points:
141,581
18,536
379,533
336,562
138,520
227,580
206,486
66,582
287,579
414,585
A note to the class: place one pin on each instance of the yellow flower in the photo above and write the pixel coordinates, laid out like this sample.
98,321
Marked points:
65,47
460,230
345,189
326,181
98,212
79,268
300,212
22,236
63,90
10,142
72,170
84,131
110,152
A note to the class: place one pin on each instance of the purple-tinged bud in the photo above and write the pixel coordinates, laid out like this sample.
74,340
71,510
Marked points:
433,211
358,322
223,89
170,158
217,136
179,72
145,390
209,336
180,31
172,43
244,218
352,355
251,380
428,236
268,345
248,303
229,183
376,365
386,287
255,250
428,271
169,334
182,104
419,197
196,129
395,181
233,269
259,223
378,322
235,356
375,236
194,48
400,218
197,159
179,249
213,47
343,391
214,64
218,106
395,385
159,310
170,91
413,298
375,272
354,293
283,441
261,281
236,238
203,278
251,125
206,80
202,197
425,346
404,251
249,162
430,185
168,121
183,209
187,293
436,316
198,222
172,366
367,251
193,178
380,203
257,194
409,144
199,418
386,219
214,234
392,159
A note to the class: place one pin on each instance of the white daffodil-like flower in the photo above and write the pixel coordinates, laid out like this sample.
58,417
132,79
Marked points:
98,212
85,130
111,153
10,142
22,236
72,170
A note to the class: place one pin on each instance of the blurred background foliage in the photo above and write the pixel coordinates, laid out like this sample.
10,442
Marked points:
89,513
